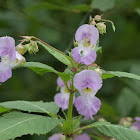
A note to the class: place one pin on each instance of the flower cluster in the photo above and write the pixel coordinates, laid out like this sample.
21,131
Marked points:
86,81
9,58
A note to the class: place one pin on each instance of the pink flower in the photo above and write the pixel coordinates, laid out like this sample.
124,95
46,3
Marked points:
62,98
86,36
88,82
9,58
136,124
88,79
83,55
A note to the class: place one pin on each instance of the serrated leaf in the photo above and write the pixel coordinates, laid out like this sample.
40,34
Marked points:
30,106
16,124
40,68
110,74
117,131
102,5
57,54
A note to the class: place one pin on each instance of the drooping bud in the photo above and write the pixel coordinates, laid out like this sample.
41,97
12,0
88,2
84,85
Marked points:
101,27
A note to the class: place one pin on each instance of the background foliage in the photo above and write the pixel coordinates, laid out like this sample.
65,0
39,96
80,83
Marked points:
55,22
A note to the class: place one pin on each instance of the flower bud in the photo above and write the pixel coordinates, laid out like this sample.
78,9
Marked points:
21,49
98,17
32,47
102,120
98,70
20,60
126,121
101,27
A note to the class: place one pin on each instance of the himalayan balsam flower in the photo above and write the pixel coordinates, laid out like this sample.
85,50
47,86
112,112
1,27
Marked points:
88,82
9,58
86,36
136,124
62,98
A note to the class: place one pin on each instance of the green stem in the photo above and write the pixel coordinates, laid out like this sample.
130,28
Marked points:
82,128
70,108
67,138
107,21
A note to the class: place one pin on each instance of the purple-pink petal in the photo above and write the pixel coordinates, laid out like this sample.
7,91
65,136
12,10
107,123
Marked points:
7,47
76,54
89,58
60,83
57,136
87,31
137,119
62,100
5,72
136,124
87,78
87,105
82,137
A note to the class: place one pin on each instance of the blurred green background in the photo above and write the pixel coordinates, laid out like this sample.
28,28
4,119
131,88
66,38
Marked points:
55,22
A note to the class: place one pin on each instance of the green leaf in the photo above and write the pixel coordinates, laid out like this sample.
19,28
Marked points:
30,106
3,110
127,102
110,74
102,5
57,54
16,124
117,131
40,68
